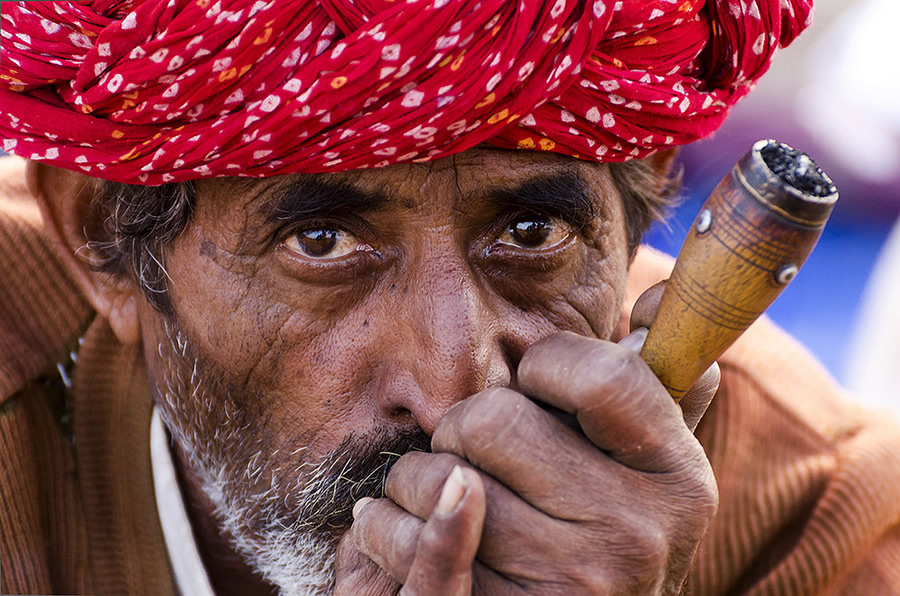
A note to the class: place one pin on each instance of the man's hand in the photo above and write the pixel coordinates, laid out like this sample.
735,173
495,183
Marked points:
618,507
445,545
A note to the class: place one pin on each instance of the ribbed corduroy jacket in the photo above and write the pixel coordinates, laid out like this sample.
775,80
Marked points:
809,483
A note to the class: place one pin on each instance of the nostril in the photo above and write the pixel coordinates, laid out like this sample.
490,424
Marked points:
511,357
402,415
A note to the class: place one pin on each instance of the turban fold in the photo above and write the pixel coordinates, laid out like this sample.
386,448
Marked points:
153,91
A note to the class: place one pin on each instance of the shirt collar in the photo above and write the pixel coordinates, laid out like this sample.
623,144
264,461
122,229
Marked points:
190,574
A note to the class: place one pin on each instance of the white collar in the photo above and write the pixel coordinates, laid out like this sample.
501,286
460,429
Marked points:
190,574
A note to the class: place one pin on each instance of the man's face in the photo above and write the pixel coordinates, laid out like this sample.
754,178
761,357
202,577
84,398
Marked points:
325,323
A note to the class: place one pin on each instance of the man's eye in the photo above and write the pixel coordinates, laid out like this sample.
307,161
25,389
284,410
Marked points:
324,243
535,232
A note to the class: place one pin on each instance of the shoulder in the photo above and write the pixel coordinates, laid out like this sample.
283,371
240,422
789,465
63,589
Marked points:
41,310
785,380
809,481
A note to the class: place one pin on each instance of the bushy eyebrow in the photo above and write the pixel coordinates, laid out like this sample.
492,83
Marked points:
561,195
565,195
314,198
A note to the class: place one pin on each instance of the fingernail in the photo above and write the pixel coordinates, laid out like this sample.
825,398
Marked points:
452,493
634,341
360,504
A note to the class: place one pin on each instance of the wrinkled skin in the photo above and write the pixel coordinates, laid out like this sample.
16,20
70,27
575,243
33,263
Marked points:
429,314
560,516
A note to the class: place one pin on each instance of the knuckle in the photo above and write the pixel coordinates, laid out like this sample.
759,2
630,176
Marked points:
696,473
592,579
604,367
706,497
642,539
637,558
697,497
652,543
643,549
487,415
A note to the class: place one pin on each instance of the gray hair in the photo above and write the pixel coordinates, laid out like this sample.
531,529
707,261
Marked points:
139,223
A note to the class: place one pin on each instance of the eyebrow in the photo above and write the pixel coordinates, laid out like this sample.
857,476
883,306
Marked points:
561,195
564,195
312,198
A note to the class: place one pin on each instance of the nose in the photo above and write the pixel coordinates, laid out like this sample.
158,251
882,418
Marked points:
447,343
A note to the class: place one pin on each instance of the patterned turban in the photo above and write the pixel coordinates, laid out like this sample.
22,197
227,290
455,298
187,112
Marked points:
153,91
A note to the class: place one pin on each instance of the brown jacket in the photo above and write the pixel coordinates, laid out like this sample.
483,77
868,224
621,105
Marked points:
809,483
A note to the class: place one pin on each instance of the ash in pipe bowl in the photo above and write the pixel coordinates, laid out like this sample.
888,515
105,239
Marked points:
787,181
796,169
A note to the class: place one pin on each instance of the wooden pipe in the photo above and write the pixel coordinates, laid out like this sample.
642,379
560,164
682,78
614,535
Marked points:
749,240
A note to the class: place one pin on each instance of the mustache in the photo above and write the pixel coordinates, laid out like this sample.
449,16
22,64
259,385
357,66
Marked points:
356,469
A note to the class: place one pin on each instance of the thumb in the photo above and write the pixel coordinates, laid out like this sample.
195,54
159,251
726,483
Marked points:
646,305
445,553
697,399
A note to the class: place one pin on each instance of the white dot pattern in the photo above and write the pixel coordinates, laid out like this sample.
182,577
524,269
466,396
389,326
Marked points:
165,90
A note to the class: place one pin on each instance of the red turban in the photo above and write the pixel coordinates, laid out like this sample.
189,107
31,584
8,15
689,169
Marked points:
153,91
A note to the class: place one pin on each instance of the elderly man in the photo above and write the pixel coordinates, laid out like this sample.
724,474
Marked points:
299,316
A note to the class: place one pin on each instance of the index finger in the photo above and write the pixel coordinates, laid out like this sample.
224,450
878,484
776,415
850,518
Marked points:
620,404
694,403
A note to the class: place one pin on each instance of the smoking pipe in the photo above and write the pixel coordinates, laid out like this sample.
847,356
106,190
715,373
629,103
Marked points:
749,240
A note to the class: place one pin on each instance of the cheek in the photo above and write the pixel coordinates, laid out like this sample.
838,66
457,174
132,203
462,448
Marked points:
599,290
267,347
286,370
582,296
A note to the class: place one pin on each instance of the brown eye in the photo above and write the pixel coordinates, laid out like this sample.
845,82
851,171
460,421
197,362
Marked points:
535,232
324,243
317,243
530,233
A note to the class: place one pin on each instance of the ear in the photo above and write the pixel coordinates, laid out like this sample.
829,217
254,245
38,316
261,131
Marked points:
65,201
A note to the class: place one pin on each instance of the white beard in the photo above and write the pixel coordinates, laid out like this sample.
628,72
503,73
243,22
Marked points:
291,545
297,560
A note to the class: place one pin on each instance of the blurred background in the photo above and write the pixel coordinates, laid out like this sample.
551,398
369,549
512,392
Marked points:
834,94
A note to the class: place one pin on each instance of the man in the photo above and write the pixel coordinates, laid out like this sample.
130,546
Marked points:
389,286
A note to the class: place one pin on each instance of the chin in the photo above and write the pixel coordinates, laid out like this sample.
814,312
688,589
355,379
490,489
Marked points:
284,549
